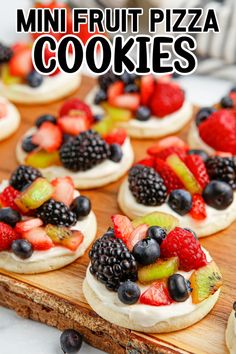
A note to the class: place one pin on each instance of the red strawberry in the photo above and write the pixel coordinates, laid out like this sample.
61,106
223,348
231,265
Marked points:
138,234
115,89
163,154
27,225
149,162
156,295
64,190
122,227
127,101
74,241
74,106
198,210
7,236
171,181
147,87
48,137
182,243
7,197
198,169
38,238
167,143
73,125
166,99
18,46
21,63
117,136
219,131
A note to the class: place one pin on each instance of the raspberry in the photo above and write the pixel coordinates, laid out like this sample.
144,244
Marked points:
182,243
198,169
198,210
163,154
170,179
7,236
8,196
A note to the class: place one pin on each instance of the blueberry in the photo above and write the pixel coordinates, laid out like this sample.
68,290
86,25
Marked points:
157,233
116,153
22,248
178,288
233,89
227,102
71,341
146,251
98,117
143,113
27,144
128,78
203,114
199,152
100,96
128,292
9,216
34,79
218,195
180,201
131,88
45,118
81,206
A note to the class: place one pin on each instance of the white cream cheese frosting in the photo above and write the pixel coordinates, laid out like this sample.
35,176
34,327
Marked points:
230,334
153,128
215,221
102,174
10,122
196,142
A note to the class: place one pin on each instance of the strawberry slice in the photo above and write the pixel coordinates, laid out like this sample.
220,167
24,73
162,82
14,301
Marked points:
170,179
198,210
48,137
7,236
149,162
163,154
8,196
122,227
21,63
147,87
117,136
138,234
114,90
198,169
156,295
73,125
38,238
171,141
74,241
128,101
76,107
64,190
27,225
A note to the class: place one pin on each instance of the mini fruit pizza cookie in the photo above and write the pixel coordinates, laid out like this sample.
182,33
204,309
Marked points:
43,226
20,83
157,107
72,145
150,275
9,118
230,335
196,188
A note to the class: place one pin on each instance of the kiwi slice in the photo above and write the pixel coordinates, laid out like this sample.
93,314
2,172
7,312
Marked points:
159,270
205,282
42,159
61,235
104,126
117,114
166,221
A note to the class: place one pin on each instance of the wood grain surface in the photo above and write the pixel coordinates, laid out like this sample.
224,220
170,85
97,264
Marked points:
56,298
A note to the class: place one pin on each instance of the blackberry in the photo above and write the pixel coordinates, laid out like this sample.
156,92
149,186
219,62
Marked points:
111,262
147,186
222,169
105,80
5,53
23,176
56,213
85,151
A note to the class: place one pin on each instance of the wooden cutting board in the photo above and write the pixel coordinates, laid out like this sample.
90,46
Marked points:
56,298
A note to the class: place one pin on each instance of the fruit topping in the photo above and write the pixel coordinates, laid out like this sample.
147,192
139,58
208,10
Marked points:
84,151
128,292
7,78
116,153
114,90
107,79
117,136
7,236
180,201
34,79
146,251
149,162
198,210
223,169
5,53
164,153
117,114
200,153
147,87
169,142
38,239
111,262
182,243
100,96
205,282
27,225
104,126
62,236
56,213
198,169
156,295
122,227
143,114
23,176
45,118
35,195
167,98
75,105
178,288
166,221
157,233
160,270
203,114
42,159
147,186
184,174
170,179
81,207
9,216
138,234
27,144
21,63
48,136
73,124
218,195
63,190
127,101
22,248
227,102
71,341
8,196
